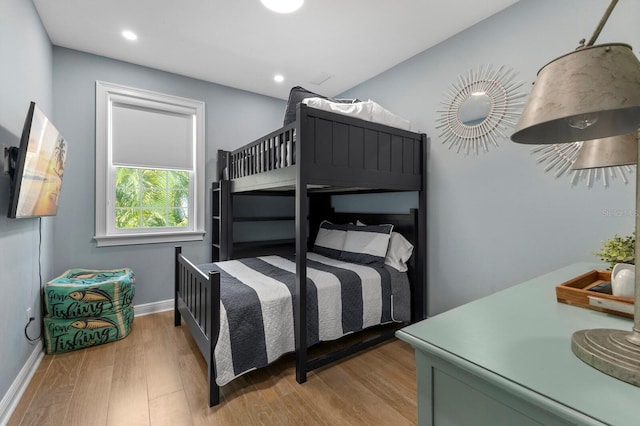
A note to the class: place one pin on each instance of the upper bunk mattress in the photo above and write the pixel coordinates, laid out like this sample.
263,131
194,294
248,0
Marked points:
364,110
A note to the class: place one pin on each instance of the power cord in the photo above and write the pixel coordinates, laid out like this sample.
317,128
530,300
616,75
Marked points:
26,333
31,319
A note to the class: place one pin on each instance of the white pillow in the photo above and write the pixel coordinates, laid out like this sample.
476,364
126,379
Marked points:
399,252
381,115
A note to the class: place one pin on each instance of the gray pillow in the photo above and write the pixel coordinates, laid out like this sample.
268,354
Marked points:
366,244
297,95
330,239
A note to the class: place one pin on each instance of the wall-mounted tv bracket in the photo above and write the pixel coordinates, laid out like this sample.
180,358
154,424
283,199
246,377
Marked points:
5,162
10,157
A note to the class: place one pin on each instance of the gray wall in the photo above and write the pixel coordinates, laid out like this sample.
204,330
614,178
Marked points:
25,75
233,118
497,219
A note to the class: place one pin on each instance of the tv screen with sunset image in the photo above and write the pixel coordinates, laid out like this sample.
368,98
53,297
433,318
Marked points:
36,168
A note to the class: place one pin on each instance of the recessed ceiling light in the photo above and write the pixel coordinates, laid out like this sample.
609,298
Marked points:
279,78
283,6
129,35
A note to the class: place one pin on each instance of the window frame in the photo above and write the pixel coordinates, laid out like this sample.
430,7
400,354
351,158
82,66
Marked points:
106,234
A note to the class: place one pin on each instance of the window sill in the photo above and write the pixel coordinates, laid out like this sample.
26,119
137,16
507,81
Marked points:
147,238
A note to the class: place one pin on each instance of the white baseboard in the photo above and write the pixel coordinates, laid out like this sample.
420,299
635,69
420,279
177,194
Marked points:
153,307
12,397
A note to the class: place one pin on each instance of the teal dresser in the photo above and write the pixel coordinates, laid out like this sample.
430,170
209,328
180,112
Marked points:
506,360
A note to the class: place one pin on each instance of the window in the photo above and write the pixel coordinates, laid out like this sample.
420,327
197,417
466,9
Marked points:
149,167
148,198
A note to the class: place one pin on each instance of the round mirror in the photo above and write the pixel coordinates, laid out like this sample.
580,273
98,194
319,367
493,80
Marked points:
479,108
475,109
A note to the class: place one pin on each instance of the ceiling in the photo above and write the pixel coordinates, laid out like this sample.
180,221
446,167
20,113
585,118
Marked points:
241,44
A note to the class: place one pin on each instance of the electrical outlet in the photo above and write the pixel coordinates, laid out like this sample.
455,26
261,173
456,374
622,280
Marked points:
29,314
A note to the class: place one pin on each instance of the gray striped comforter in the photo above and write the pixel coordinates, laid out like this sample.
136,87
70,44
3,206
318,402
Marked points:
256,304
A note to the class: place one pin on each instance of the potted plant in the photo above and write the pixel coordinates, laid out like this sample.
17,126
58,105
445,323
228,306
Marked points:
618,250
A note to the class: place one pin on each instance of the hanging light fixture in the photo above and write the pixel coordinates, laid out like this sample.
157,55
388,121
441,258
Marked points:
592,93
559,159
621,150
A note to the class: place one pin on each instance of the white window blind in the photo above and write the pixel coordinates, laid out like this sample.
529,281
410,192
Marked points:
140,137
163,137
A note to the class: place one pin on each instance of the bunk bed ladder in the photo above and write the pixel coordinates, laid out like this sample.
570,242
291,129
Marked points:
221,225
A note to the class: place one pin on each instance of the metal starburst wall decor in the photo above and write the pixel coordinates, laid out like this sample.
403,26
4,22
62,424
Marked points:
479,108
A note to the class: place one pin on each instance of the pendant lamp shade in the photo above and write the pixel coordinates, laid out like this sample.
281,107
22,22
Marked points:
619,150
591,93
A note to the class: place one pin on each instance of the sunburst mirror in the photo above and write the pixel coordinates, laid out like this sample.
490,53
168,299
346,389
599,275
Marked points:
558,158
479,108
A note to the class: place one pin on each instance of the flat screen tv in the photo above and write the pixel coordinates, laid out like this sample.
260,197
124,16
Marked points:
36,168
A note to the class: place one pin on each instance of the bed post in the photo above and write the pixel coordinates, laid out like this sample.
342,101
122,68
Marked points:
300,307
223,165
213,326
176,286
319,210
422,259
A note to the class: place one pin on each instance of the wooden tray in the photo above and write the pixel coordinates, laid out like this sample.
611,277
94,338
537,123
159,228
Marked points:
576,292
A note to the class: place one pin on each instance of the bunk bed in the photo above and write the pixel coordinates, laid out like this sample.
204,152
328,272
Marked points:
321,154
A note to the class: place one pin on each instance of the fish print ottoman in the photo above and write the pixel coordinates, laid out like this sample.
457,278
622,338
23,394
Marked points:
89,293
69,334
86,307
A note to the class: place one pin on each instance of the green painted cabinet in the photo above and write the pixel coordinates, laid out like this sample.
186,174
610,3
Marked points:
506,360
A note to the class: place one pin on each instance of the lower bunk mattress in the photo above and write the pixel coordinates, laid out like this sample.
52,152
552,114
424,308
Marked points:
257,299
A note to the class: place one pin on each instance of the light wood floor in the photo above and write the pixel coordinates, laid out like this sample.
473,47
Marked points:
157,376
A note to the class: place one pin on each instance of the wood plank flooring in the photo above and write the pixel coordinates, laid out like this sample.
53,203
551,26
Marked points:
157,376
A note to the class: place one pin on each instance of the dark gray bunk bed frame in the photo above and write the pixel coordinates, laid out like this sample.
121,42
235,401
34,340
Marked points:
332,154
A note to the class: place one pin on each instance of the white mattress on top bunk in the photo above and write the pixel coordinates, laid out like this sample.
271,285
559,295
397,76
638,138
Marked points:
256,306
365,110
